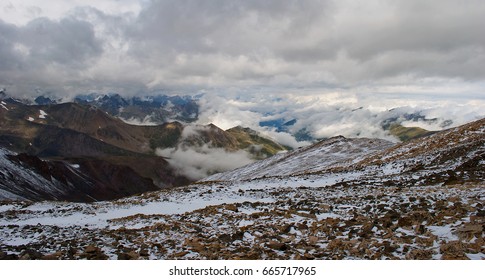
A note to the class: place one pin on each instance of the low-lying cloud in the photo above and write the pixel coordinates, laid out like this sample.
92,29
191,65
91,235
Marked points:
199,162
327,114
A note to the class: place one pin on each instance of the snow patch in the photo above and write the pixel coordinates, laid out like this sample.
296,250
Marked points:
443,232
42,114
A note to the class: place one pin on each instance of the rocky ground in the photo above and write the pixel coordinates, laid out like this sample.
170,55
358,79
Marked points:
275,222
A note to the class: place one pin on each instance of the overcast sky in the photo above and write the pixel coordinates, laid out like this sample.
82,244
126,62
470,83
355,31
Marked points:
129,46
315,61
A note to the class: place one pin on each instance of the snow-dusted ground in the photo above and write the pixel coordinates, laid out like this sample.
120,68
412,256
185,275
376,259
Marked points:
303,217
331,153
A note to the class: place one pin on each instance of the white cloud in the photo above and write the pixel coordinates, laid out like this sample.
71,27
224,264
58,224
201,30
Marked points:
199,162
21,12
326,114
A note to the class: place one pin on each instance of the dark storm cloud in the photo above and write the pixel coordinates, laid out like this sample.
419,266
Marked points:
45,53
7,38
67,42
338,42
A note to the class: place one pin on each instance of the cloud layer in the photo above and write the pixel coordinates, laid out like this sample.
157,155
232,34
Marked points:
218,45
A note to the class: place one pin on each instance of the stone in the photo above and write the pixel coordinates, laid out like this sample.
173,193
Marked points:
133,255
469,231
419,254
90,249
144,253
366,229
313,240
180,254
226,238
93,253
275,245
54,256
405,222
453,250
238,236
423,241
302,226
231,207
335,245
30,254
420,229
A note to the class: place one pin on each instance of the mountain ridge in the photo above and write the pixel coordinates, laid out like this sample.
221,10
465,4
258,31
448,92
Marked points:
75,132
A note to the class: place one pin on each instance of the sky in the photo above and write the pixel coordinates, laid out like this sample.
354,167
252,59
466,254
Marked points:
251,57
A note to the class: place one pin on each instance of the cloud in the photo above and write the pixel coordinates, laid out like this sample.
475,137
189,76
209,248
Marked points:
327,114
197,159
184,46
199,162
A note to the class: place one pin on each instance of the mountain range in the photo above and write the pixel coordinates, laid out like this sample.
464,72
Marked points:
152,110
340,198
113,159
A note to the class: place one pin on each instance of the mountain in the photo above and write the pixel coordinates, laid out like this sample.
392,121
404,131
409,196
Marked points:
407,133
395,123
284,125
27,177
144,110
322,155
450,156
75,133
421,199
252,141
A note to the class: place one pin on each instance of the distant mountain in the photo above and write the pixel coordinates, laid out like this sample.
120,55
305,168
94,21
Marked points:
403,133
392,122
144,110
257,145
283,125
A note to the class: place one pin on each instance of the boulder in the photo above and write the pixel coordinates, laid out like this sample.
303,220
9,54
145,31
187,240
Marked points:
453,250
419,254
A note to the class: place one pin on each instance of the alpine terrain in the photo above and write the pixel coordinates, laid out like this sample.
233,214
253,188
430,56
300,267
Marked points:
77,152
339,198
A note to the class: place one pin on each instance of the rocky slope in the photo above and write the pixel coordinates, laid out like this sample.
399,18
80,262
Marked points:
25,177
333,152
396,203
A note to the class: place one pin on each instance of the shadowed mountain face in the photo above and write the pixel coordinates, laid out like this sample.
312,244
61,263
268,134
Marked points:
115,158
28,177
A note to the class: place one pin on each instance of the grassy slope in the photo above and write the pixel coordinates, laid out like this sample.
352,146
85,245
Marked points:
259,146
